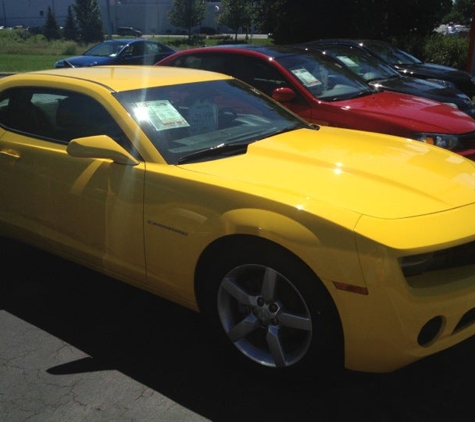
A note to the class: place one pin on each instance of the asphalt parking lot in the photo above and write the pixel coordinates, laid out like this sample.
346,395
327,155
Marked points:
79,346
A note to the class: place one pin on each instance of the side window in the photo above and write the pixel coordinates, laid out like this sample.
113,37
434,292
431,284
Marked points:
58,115
4,101
151,48
212,62
79,116
193,62
26,110
138,49
257,73
129,50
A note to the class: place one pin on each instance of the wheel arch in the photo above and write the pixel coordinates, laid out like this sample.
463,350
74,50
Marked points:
237,243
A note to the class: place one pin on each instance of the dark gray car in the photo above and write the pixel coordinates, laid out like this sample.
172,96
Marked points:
382,76
409,65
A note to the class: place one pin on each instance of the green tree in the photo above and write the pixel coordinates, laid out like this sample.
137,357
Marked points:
292,21
268,16
465,9
51,29
304,20
386,19
88,16
70,30
187,14
236,14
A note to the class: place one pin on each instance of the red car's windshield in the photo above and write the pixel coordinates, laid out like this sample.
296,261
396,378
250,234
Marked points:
325,78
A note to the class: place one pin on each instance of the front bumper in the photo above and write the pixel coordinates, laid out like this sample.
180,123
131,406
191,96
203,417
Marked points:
403,319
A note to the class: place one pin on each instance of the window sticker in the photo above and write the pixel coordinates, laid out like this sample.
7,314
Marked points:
203,117
306,77
347,61
160,114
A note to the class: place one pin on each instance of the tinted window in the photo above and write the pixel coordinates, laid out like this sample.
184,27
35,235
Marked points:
253,71
257,73
57,115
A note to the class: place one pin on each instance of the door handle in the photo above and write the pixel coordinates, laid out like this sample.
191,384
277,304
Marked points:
10,153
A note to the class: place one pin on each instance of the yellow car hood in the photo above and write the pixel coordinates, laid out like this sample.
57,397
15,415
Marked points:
367,173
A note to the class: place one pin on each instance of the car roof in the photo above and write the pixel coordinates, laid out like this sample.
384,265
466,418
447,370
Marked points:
332,40
125,41
358,45
375,42
267,50
349,41
120,78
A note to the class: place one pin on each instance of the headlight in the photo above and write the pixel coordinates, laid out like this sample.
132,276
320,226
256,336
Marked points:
416,264
441,140
457,256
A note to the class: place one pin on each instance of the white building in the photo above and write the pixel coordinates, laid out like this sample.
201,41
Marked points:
150,16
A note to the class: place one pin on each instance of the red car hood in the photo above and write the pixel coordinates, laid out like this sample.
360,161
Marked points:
398,114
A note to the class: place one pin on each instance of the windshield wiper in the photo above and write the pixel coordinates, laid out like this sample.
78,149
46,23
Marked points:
360,94
215,152
290,128
385,78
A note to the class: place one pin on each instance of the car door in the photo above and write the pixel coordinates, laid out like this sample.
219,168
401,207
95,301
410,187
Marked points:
139,53
87,208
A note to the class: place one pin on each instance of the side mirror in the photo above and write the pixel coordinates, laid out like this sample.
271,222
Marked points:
100,146
283,95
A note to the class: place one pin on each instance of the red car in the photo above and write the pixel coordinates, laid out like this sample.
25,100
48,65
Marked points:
321,90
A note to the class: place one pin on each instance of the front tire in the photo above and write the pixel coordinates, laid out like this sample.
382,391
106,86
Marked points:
274,310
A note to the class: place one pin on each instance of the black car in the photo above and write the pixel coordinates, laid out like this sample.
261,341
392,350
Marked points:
135,51
127,31
381,76
409,65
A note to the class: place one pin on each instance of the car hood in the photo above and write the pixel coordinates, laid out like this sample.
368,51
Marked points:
370,174
404,114
434,70
421,87
84,61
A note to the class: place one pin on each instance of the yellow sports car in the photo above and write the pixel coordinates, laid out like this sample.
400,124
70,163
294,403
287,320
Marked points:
312,247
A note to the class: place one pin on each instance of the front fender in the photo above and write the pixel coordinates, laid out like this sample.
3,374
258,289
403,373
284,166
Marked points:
328,249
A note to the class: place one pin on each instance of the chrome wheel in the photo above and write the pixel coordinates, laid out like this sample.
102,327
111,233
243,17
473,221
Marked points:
264,315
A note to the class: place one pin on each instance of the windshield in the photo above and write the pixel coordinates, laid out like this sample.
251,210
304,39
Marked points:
365,65
391,54
106,49
200,121
325,78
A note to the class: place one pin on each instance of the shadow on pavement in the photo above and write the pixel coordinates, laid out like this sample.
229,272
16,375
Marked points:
170,349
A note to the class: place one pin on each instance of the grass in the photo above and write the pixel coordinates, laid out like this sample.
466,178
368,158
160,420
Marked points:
13,63
23,52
